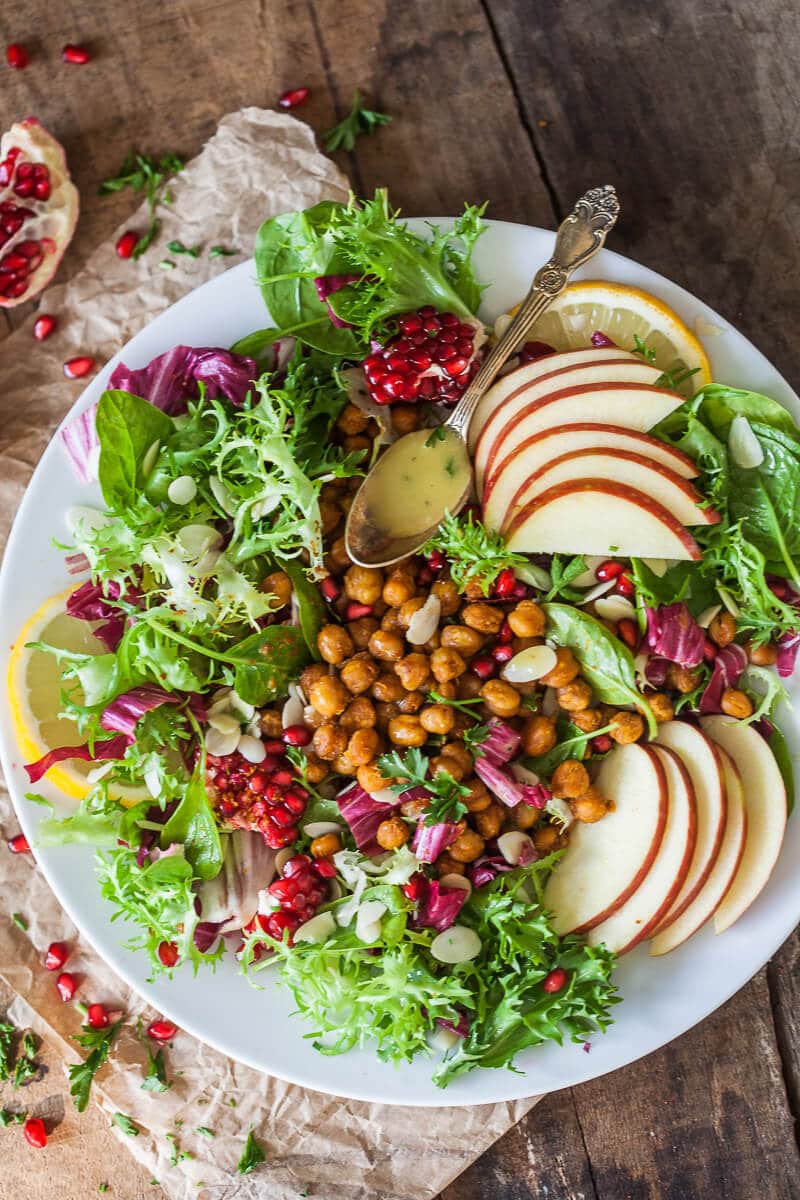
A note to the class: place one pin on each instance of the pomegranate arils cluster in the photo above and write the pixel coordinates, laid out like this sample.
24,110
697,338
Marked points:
299,891
431,359
265,797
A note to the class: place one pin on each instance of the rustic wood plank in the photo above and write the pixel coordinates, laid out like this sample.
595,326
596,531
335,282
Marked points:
783,975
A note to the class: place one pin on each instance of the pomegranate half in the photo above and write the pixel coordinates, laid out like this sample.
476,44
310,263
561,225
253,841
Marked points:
38,210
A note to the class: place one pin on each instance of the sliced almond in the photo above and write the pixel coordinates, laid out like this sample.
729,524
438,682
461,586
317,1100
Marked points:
424,622
318,929
708,614
743,444
600,589
530,664
457,944
516,846
614,608
456,881
316,829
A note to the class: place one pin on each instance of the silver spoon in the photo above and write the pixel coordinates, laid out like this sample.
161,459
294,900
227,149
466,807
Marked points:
379,532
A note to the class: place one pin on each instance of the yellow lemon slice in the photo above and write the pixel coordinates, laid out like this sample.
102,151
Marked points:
623,313
35,683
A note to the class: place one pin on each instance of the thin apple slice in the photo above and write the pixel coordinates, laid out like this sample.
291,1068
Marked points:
711,894
596,516
640,914
765,804
529,373
701,759
502,489
587,374
622,466
606,862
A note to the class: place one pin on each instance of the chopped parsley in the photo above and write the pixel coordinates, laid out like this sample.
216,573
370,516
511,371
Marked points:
20,921
475,554
252,1156
176,247
156,1078
358,121
446,793
124,1123
98,1042
221,252
205,1132
143,173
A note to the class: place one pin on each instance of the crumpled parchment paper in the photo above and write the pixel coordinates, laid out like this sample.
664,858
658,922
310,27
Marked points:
257,164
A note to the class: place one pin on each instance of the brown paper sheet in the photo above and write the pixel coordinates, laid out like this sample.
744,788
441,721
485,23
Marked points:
257,164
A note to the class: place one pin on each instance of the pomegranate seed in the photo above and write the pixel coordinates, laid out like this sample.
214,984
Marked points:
296,735
330,589
18,844
555,981
625,586
97,1016
295,803
294,97
502,653
710,650
436,560
77,55
273,746
162,1031
283,778
413,888
506,633
76,368
296,866
601,744
355,611
43,326
168,953
608,570
627,632
127,244
505,582
16,56
483,666
57,955
35,1132
325,868
66,985
519,591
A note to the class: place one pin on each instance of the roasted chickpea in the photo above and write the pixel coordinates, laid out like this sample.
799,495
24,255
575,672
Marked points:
405,418
448,689
331,515
386,647
329,741
271,724
354,443
463,639
312,718
524,816
359,714
448,595
587,719
489,822
468,686
359,673
545,838
343,766
412,810
392,833
361,631
437,718
363,746
399,587
467,847
411,702
538,735
279,585
447,664
388,688
326,845
474,589
458,752
483,618
445,865
407,731
384,714
334,644
527,619
589,807
572,697
329,696
501,698
565,670
681,679
408,608
371,778
391,623
735,703
570,779
316,771
363,584
311,675
413,671
763,655
339,558
627,727
478,799
352,420
661,707
440,763
722,629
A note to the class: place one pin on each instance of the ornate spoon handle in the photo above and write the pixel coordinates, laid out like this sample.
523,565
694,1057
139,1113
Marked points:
579,237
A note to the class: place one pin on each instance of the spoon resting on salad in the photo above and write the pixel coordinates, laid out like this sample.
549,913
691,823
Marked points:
428,473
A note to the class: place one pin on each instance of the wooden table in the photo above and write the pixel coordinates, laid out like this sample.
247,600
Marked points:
690,107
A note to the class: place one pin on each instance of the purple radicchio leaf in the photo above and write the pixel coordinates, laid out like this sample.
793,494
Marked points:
486,868
170,379
432,840
460,1030
364,814
728,667
437,906
125,711
326,285
673,633
114,747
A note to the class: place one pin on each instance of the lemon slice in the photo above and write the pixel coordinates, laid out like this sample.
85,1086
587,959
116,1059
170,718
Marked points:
623,313
35,683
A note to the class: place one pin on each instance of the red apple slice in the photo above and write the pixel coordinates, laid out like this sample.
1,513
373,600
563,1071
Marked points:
525,375
701,759
640,914
588,374
765,805
606,862
710,896
596,516
622,466
502,488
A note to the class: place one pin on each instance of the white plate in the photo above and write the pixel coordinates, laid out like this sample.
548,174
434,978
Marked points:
662,997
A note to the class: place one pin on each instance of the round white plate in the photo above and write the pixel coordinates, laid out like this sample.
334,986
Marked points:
663,997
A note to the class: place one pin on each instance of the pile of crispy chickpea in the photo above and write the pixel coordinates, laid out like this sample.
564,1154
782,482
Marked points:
371,691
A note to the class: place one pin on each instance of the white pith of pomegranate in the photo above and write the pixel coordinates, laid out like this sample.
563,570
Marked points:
431,359
38,210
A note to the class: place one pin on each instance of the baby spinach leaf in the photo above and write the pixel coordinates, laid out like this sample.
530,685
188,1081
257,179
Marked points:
719,404
684,581
779,748
127,427
606,663
266,662
193,824
766,498
311,610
